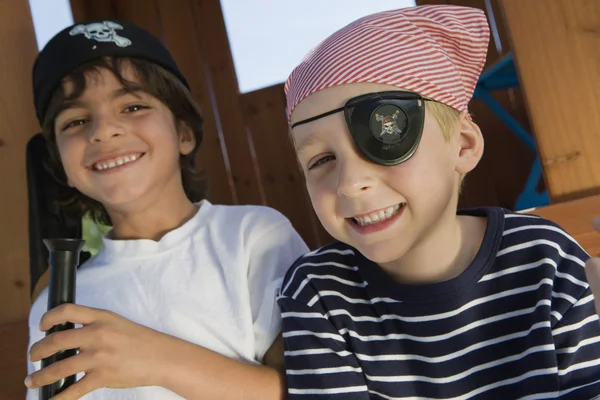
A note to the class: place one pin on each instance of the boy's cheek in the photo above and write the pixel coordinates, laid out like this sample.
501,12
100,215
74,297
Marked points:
71,165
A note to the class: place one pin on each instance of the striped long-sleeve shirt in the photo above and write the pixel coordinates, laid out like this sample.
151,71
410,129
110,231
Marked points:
518,323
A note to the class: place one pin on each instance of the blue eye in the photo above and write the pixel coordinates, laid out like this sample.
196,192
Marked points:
321,161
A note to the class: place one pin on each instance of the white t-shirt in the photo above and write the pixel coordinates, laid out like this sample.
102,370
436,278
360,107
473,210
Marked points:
211,282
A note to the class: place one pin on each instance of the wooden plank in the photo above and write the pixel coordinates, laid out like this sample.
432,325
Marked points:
18,50
84,10
576,217
180,37
558,66
140,12
14,339
211,36
284,189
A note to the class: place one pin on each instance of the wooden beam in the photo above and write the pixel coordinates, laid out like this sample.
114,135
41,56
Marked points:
179,35
18,50
284,188
83,10
211,36
555,44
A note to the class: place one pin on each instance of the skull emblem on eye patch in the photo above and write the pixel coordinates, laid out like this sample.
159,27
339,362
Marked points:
101,32
389,125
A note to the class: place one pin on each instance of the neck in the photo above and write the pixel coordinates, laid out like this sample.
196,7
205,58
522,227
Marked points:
443,253
153,219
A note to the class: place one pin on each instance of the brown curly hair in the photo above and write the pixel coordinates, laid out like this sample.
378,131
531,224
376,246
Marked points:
157,82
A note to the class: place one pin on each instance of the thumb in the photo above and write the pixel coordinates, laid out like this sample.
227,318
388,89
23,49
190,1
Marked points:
592,270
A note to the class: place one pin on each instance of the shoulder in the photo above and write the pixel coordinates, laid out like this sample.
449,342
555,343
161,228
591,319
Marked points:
527,231
244,217
95,262
259,230
541,246
518,228
336,262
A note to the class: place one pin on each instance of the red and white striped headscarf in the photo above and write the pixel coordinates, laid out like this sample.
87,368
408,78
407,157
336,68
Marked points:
437,51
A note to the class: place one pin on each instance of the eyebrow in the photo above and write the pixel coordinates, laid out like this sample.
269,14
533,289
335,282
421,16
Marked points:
135,90
309,141
77,103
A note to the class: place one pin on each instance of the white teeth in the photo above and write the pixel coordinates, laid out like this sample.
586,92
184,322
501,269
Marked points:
378,216
115,163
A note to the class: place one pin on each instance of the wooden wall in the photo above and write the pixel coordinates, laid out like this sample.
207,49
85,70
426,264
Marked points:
18,123
559,64
18,49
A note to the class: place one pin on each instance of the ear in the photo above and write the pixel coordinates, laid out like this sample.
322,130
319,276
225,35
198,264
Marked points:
470,145
187,140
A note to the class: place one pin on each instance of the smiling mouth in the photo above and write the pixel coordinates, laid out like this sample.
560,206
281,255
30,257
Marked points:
378,216
108,164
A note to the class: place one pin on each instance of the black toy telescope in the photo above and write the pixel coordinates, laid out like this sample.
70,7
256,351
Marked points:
63,260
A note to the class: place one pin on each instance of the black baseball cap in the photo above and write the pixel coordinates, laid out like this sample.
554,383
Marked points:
80,43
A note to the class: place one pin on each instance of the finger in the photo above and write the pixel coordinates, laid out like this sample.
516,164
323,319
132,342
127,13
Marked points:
60,341
59,370
79,389
592,271
73,313
597,224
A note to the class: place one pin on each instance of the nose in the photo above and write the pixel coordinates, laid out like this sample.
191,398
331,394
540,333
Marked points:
105,128
355,177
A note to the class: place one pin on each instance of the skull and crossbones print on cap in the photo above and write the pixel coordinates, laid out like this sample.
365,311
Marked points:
80,43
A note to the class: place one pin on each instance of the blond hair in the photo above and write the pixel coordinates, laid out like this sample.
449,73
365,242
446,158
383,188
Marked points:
447,117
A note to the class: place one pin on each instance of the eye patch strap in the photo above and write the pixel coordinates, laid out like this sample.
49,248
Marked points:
306,121
361,100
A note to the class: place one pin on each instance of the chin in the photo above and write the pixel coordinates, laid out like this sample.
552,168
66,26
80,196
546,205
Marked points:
381,254
118,199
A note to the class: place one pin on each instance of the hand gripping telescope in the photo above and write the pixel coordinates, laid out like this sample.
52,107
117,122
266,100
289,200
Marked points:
63,260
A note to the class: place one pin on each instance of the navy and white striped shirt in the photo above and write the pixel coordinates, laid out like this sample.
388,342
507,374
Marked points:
518,323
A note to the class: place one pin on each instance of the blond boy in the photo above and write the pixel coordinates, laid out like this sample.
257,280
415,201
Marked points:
417,300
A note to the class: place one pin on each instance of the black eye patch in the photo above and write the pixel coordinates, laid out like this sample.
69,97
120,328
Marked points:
386,126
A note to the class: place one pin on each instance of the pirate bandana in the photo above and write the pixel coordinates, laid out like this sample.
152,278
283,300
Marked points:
80,43
430,53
